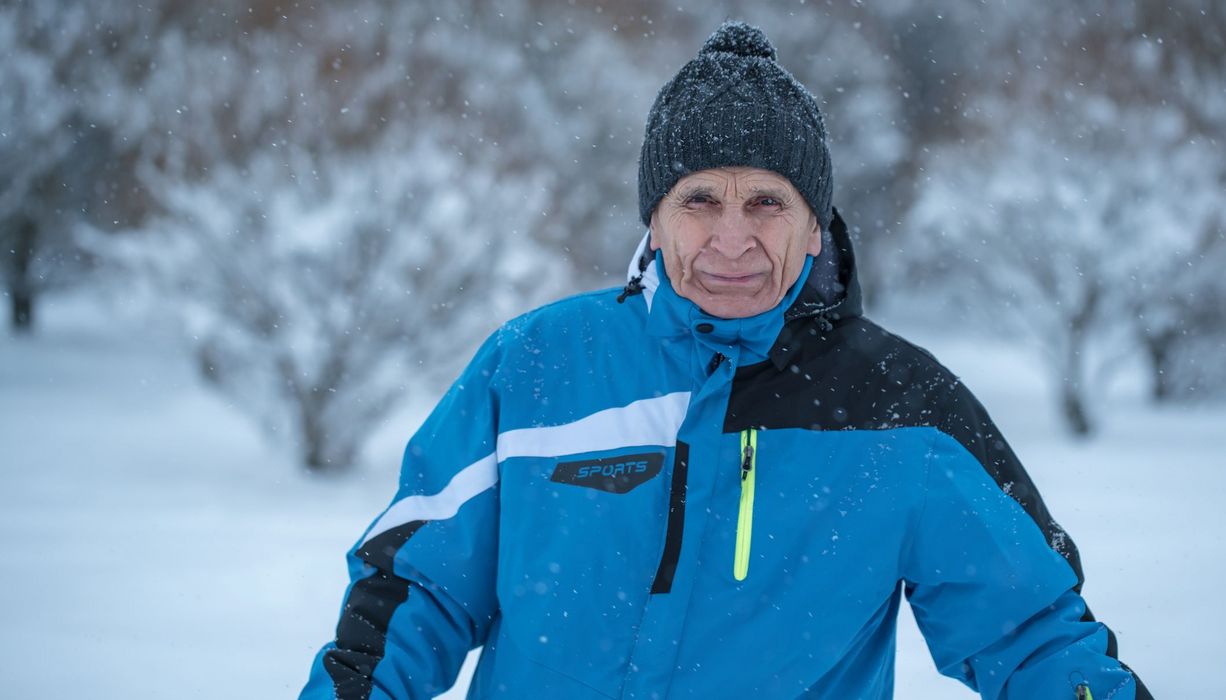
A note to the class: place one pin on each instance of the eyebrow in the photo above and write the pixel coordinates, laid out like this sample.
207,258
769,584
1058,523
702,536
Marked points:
769,191
693,190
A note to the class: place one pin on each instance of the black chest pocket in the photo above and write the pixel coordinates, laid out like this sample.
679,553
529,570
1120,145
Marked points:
618,474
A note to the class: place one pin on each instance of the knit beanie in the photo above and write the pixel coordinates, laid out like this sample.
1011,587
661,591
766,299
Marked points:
733,105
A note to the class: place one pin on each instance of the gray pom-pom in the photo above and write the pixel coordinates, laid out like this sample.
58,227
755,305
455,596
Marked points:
740,39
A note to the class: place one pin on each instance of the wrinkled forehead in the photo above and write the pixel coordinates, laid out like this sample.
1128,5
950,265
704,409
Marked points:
736,180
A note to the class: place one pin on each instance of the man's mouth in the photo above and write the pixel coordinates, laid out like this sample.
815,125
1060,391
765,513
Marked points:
732,279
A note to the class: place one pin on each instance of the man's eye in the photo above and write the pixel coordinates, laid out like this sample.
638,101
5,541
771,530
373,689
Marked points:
698,199
769,202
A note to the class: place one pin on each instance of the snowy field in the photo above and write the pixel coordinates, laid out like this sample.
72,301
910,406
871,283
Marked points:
155,546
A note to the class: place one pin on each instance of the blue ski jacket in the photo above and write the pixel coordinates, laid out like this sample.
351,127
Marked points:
624,497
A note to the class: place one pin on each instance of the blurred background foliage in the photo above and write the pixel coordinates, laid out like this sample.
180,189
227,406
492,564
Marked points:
334,202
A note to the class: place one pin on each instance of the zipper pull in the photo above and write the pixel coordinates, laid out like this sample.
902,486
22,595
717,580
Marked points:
716,361
747,461
1083,692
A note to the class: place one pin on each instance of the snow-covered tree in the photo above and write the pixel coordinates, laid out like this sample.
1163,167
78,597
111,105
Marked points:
69,88
1070,230
1174,291
318,290
46,142
1172,62
1106,124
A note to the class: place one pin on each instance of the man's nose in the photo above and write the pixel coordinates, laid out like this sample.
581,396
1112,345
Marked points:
732,234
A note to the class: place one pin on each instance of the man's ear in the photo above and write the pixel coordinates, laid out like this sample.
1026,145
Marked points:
815,239
653,226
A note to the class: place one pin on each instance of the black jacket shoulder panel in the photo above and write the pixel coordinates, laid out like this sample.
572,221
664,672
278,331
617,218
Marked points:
852,375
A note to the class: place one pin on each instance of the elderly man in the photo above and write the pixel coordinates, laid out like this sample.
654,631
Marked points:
719,481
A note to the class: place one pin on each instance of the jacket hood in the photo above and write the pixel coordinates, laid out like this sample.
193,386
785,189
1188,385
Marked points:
832,290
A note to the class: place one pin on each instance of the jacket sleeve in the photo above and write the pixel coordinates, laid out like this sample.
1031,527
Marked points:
422,577
995,582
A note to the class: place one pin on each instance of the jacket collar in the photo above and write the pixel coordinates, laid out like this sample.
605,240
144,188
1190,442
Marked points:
833,289
747,339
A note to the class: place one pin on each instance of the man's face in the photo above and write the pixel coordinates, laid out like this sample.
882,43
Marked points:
734,239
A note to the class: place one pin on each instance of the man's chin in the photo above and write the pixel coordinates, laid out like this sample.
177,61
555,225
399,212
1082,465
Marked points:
733,306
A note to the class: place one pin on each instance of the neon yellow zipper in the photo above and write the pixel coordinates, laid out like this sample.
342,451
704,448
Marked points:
744,520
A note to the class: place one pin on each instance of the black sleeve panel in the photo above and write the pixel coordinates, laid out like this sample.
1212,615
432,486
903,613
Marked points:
361,632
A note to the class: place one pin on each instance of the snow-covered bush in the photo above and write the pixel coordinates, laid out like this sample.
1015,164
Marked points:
317,290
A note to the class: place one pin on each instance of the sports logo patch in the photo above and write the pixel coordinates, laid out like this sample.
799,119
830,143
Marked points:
613,474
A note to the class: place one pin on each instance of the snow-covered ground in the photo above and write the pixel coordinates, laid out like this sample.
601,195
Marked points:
153,545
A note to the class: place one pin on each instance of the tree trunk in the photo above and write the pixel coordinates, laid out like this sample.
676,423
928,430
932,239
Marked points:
22,318
20,290
321,450
1072,379
1073,406
313,456
314,437
1159,350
